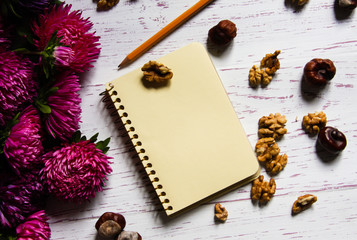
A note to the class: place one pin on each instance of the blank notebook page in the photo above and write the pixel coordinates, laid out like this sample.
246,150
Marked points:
188,130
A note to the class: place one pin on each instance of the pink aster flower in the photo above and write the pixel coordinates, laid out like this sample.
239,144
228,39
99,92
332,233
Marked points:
75,171
64,56
18,200
23,147
18,86
73,31
34,227
64,118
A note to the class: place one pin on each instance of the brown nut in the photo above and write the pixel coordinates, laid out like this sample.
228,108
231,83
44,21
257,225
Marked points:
332,140
156,72
299,2
348,4
263,190
221,214
129,235
319,71
223,32
110,224
303,203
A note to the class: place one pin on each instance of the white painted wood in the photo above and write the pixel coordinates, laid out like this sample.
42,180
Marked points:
263,27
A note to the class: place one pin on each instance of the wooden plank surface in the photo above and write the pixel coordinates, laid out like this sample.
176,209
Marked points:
263,27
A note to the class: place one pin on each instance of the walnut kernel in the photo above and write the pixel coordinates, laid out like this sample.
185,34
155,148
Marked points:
277,164
303,203
156,72
313,122
270,62
266,149
221,214
263,191
106,4
255,76
272,126
266,78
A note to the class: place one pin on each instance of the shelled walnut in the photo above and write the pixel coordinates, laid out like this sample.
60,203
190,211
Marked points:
264,74
106,4
266,78
272,126
303,203
271,63
266,149
277,164
221,214
313,122
263,191
255,76
156,72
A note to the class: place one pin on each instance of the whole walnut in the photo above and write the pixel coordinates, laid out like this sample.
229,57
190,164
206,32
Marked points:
223,32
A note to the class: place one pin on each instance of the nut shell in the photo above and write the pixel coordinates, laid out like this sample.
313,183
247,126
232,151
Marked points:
223,32
332,140
319,71
110,224
129,235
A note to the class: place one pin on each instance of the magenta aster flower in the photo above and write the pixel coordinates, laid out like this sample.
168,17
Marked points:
17,84
18,200
64,118
34,227
63,56
73,31
23,147
75,171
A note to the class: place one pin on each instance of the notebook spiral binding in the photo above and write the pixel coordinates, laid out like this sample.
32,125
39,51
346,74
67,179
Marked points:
111,96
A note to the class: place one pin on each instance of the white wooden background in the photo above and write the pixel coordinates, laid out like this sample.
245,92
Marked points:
263,27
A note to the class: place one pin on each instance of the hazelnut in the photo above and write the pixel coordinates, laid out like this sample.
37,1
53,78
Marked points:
223,32
110,224
129,235
319,71
332,140
348,4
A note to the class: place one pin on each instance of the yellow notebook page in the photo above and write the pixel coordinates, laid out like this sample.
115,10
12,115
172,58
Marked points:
188,129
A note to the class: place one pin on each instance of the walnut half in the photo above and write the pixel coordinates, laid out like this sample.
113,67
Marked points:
156,72
221,214
263,191
272,126
106,4
313,122
303,203
266,149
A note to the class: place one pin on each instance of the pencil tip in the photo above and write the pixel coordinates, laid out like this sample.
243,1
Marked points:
126,61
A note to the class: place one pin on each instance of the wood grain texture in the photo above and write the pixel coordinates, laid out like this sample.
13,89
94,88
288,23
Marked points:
263,27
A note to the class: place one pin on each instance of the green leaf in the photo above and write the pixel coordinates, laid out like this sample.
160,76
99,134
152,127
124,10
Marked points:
94,138
51,91
76,136
44,108
103,145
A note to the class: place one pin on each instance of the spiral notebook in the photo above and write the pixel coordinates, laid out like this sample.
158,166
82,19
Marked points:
186,132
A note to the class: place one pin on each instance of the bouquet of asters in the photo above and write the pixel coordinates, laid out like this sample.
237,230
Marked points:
44,45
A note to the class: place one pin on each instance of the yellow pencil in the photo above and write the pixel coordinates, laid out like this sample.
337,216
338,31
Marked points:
164,32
